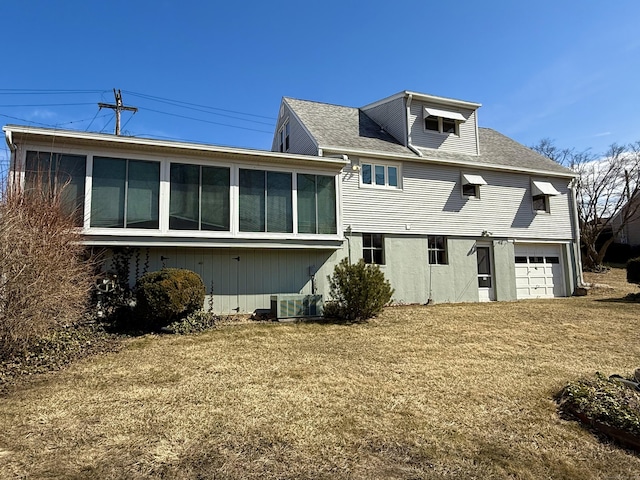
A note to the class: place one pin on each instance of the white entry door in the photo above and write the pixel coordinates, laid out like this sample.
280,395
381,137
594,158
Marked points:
486,290
539,272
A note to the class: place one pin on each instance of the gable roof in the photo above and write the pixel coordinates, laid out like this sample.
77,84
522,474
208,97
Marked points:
350,130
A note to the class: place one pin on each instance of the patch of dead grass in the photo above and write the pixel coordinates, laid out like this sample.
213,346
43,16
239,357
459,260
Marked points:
445,391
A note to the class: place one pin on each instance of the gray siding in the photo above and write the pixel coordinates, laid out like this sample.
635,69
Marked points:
466,143
431,203
392,117
246,283
300,141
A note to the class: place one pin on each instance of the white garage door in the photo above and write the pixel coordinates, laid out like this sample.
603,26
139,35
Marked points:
539,271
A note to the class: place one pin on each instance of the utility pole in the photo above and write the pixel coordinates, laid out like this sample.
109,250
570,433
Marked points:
118,107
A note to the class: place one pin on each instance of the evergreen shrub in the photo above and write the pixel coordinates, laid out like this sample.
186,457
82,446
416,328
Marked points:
358,291
167,295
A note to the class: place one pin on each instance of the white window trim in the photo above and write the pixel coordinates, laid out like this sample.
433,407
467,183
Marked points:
386,166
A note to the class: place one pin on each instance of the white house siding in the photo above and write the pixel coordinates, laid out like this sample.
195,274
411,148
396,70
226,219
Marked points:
391,116
430,202
300,141
465,143
246,283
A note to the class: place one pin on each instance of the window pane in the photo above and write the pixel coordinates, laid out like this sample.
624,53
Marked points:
252,201
279,205
521,259
215,209
484,266
185,187
327,222
376,240
448,125
366,240
366,174
107,192
143,194
379,174
306,203
70,176
53,173
377,257
393,176
540,203
431,123
552,260
367,255
469,190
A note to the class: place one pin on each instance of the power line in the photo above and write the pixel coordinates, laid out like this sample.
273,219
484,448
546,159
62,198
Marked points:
181,103
47,105
204,121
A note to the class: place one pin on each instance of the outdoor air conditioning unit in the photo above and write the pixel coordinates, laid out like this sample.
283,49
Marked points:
296,305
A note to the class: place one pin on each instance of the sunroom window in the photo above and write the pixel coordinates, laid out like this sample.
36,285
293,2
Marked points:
58,174
199,198
265,201
125,193
316,204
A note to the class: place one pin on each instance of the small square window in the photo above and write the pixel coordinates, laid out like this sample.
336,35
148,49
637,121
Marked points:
437,249
470,191
541,203
373,248
449,126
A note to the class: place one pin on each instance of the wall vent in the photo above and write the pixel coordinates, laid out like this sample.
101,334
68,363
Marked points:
296,305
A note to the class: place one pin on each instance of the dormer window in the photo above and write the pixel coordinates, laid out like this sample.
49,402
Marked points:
541,191
442,121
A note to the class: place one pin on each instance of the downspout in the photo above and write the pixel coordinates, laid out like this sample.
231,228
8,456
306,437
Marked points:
576,232
408,138
12,160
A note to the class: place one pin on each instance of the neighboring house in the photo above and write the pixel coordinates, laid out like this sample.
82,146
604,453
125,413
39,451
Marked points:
451,212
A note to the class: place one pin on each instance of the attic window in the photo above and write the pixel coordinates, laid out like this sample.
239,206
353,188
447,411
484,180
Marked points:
442,121
283,137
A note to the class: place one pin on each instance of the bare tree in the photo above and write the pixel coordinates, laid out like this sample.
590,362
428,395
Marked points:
606,195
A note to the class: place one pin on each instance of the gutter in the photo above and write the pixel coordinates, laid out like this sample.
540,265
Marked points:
409,145
458,163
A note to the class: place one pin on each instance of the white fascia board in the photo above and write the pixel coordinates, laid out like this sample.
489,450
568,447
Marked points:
457,163
108,139
423,97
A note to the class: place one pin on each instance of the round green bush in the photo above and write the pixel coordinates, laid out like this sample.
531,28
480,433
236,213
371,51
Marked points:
167,295
358,291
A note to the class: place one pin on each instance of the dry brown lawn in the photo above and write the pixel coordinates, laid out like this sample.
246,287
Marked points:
444,391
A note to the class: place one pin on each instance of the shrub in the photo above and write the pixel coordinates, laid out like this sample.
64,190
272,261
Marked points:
45,273
196,322
633,270
603,400
167,295
359,290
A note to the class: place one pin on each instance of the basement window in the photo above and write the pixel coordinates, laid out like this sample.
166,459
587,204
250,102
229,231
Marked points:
373,248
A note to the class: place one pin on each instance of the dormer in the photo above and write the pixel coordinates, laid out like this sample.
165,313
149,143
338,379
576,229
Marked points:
426,122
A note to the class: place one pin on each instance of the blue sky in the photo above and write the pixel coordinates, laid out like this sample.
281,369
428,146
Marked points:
567,70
